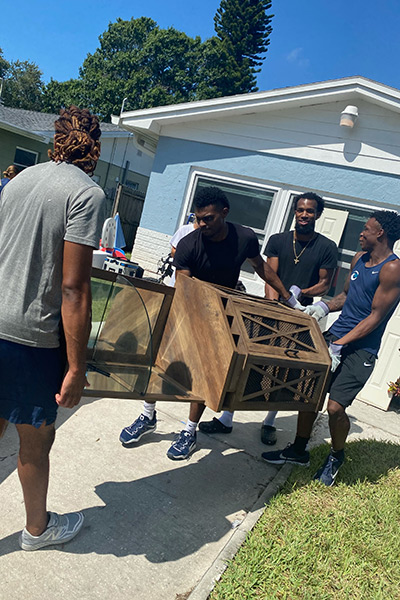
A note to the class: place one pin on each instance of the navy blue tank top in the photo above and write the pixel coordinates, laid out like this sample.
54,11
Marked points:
364,282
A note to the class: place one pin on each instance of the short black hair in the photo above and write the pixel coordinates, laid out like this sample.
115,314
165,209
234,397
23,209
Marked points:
389,220
310,196
210,195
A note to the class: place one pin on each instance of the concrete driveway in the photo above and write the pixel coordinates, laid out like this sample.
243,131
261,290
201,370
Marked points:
153,527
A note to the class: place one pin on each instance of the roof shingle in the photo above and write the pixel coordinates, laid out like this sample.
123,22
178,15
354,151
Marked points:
37,122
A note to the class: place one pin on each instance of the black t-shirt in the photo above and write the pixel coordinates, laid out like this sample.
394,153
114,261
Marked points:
217,262
321,253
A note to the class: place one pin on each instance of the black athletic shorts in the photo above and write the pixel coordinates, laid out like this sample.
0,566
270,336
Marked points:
30,378
351,375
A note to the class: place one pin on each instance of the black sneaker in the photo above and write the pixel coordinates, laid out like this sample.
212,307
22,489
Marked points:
214,426
268,435
327,473
288,455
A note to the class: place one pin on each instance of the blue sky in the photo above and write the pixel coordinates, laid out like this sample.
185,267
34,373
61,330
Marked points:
312,40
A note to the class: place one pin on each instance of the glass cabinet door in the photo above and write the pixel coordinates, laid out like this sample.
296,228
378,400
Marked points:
120,344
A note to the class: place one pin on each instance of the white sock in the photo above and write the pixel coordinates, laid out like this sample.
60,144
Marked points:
191,427
148,409
226,418
270,418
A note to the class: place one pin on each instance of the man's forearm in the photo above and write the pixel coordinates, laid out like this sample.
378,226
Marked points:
270,277
319,289
362,329
337,302
75,313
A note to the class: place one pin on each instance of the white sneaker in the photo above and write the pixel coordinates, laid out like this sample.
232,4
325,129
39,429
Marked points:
60,529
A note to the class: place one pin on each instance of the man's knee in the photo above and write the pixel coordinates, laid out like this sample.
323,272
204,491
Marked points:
35,443
335,410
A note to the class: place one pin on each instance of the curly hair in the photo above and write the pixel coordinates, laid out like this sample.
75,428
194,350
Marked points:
76,139
211,195
389,220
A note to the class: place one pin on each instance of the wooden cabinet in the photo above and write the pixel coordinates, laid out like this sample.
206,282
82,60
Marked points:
208,344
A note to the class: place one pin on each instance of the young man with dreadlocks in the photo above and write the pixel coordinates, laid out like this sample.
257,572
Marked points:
370,296
54,212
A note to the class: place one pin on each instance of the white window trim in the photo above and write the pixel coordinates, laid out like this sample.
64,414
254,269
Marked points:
30,152
221,176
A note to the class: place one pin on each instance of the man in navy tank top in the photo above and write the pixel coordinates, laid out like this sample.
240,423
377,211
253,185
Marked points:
370,296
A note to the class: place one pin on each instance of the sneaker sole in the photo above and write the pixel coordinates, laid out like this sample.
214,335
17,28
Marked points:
315,478
325,484
135,440
284,461
268,442
173,457
214,431
32,547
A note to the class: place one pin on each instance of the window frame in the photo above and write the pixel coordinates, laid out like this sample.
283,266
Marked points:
36,154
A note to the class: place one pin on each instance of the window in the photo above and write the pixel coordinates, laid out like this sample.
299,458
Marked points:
132,184
268,209
249,205
25,158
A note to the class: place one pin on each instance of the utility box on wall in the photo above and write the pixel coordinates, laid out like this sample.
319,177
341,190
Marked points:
207,344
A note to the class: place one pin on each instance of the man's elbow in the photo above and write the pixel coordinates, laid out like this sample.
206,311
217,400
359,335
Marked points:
76,292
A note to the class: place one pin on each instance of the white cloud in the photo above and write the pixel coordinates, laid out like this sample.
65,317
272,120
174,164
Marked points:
295,57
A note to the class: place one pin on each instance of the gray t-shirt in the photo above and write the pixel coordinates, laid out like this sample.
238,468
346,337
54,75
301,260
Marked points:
43,206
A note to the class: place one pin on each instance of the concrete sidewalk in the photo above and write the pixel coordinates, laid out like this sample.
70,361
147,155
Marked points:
154,529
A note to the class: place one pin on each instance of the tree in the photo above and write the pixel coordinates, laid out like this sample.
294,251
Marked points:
4,65
135,60
232,58
23,85
153,67
57,95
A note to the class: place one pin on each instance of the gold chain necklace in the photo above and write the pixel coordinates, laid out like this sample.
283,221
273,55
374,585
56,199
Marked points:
297,256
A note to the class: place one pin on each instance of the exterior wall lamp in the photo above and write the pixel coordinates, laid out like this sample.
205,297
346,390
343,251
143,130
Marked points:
348,116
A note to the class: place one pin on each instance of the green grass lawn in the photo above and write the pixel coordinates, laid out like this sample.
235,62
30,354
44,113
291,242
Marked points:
318,543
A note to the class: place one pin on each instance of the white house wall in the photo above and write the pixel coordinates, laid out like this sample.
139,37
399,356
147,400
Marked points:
309,132
118,150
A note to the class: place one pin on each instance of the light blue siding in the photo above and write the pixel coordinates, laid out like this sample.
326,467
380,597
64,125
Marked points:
175,158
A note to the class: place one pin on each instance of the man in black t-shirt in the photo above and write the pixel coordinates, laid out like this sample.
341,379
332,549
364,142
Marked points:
317,259
305,262
217,261
215,253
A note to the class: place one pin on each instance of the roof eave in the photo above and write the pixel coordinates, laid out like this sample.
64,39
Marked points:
145,138
38,137
151,120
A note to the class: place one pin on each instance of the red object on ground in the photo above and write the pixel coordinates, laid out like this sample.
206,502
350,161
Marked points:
114,252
